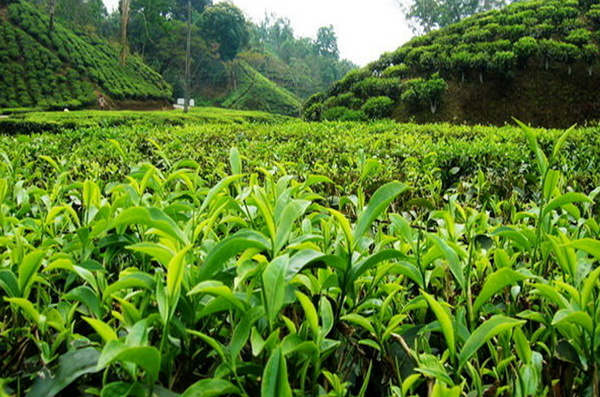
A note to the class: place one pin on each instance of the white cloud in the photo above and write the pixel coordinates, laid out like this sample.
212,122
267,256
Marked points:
365,29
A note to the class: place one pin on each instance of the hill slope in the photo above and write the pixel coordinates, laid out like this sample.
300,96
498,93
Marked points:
62,69
534,60
253,91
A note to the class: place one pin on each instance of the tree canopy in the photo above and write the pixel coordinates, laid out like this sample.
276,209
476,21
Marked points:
426,15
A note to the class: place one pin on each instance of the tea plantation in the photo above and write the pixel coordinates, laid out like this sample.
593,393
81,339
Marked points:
534,60
252,255
60,69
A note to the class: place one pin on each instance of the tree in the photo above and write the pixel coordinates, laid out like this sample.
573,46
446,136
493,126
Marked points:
87,15
51,13
426,15
179,8
188,59
326,43
224,25
124,8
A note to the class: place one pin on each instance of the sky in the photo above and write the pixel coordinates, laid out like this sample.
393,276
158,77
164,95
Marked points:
365,28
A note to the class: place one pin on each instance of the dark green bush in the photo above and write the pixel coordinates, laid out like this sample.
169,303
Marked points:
375,86
430,91
378,107
341,113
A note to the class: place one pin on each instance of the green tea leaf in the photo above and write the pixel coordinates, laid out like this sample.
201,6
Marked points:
230,247
445,322
379,202
146,357
159,252
154,218
28,268
211,388
359,320
9,283
567,198
274,286
175,274
290,214
486,331
541,158
452,258
495,282
71,366
235,161
104,330
275,377
309,311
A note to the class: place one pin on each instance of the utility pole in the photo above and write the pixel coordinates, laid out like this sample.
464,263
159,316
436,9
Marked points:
188,50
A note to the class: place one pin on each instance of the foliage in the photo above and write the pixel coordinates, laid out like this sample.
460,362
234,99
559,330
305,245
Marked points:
152,280
302,65
342,113
61,69
254,91
225,25
426,15
492,48
430,91
378,107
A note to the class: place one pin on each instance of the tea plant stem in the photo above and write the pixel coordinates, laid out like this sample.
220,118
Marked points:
470,314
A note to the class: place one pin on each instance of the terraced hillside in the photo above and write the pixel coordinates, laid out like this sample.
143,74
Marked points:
534,60
58,68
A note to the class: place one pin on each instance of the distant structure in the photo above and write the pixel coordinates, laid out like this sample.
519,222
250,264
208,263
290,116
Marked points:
181,102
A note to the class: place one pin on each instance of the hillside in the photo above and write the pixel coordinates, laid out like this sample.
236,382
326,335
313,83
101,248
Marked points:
58,69
533,60
251,90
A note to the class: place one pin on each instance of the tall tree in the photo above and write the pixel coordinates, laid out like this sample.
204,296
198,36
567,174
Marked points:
124,8
326,43
426,15
51,13
225,26
188,59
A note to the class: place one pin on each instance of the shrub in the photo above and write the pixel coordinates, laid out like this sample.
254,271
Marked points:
526,47
430,91
378,107
375,86
313,112
399,71
579,37
341,113
504,62
347,100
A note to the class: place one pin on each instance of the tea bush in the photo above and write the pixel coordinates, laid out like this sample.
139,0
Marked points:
142,278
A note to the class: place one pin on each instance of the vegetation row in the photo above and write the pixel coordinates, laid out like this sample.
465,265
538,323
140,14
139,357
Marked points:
499,44
266,283
57,69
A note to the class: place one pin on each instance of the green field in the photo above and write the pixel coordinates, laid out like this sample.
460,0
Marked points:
237,253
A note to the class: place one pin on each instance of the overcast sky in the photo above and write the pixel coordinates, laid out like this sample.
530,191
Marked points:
365,28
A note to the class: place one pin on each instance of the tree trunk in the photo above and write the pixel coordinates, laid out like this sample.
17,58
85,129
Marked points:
124,8
433,106
51,12
188,45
